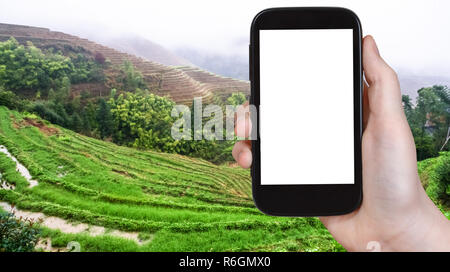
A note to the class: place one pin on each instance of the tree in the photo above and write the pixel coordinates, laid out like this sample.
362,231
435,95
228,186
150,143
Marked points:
10,100
104,119
44,110
90,110
85,124
99,58
28,68
236,99
76,122
143,120
86,69
59,109
429,120
407,105
130,78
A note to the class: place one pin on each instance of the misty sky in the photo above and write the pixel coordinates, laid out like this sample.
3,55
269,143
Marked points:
413,36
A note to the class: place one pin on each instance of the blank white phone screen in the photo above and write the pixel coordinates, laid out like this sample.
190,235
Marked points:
306,106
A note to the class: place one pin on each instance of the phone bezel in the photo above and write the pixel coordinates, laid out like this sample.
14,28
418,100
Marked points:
307,200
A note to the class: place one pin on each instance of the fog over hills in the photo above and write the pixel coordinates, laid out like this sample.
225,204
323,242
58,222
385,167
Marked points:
141,47
228,65
411,82
214,35
237,67
234,66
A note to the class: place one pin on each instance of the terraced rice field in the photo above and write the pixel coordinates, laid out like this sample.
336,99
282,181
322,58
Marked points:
181,84
167,202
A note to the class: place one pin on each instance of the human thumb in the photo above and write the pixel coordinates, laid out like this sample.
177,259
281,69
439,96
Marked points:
384,89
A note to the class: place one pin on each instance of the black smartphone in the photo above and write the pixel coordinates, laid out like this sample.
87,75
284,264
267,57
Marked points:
306,86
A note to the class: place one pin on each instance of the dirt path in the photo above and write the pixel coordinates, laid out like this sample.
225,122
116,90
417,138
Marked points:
67,227
55,222
19,167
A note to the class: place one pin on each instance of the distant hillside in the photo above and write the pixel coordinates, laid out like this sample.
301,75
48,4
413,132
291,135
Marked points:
162,79
141,47
237,67
231,66
410,83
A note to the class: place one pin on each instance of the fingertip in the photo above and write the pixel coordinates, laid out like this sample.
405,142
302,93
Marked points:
376,70
369,43
371,57
245,158
241,147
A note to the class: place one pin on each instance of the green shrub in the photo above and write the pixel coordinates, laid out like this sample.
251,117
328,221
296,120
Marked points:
45,110
443,175
130,78
28,68
438,172
16,235
10,99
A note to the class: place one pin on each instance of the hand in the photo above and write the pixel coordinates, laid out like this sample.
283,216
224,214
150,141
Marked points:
395,212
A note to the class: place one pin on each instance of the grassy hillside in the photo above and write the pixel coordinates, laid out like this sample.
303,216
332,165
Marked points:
175,203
